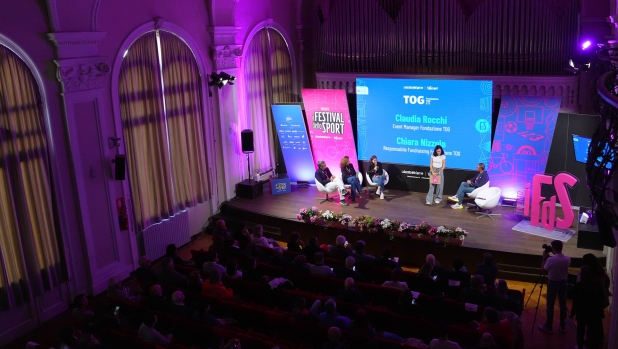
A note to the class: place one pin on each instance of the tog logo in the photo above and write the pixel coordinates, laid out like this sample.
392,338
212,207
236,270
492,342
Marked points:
414,99
482,126
545,211
281,186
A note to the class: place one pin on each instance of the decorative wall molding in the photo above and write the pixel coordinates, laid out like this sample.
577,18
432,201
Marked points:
158,22
81,74
226,56
77,44
566,87
223,35
95,12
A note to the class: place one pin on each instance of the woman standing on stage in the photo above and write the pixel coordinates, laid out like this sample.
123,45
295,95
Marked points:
348,174
437,164
376,174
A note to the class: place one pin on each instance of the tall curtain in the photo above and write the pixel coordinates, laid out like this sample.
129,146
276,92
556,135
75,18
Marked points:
268,80
143,121
185,120
29,251
160,90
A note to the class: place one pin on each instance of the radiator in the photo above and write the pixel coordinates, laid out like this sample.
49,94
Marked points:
171,231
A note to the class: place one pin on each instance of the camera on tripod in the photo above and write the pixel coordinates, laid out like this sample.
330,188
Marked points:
547,248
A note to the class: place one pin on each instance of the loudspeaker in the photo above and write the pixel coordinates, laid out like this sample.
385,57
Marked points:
246,136
249,189
606,229
119,167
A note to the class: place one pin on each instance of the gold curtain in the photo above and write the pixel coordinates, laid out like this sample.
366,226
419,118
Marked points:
29,251
185,121
143,121
268,80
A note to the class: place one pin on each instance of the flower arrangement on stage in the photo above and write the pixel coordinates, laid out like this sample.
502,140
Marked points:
363,222
311,214
330,216
345,219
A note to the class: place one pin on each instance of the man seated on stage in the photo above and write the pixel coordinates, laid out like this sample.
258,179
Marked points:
468,186
329,181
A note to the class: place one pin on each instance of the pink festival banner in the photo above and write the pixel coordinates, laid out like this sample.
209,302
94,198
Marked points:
330,129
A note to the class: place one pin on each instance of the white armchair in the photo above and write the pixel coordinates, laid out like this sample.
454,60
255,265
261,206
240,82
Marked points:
371,184
322,189
486,200
475,193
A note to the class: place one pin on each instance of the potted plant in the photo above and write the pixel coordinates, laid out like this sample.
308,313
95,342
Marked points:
309,215
332,218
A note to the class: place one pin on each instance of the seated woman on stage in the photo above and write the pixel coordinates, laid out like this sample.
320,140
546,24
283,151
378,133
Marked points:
349,176
376,174
327,179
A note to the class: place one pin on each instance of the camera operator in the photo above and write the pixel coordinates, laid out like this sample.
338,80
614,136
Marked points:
557,269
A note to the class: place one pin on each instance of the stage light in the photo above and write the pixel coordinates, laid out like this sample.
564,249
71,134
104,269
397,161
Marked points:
586,44
509,202
302,184
221,79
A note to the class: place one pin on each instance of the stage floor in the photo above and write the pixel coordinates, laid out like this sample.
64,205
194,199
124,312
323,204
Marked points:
410,207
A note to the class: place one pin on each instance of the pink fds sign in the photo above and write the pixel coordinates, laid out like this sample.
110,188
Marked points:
544,211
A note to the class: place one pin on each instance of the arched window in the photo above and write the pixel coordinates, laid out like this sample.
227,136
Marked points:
160,90
268,80
30,261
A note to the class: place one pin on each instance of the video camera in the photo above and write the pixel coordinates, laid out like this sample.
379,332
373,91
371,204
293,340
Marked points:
547,248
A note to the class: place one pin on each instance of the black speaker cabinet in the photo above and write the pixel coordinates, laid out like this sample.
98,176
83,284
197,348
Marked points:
589,239
249,189
119,167
246,138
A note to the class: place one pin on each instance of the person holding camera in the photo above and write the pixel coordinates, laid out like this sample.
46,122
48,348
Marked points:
557,269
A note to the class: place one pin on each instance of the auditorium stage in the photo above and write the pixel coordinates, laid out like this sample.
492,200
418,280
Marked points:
483,234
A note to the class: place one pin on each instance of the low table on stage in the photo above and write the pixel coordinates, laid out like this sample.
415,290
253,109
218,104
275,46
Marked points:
280,184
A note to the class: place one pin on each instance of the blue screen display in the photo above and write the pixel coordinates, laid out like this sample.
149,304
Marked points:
295,146
581,145
402,120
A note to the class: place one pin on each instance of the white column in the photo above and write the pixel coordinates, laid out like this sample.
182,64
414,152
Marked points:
226,58
83,74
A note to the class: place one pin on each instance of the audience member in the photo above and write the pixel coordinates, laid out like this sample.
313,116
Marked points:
214,287
295,244
488,270
156,300
300,264
475,294
501,300
212,263
107,317
171,251
588,305
395,281
258,239
221,231
300,312
88,341
169,276
115,290
487,342
310,250
242,235
334,340
360,256
145,273
69,337
232,270
459,274
250,273
277,258
425,283
148,333
386,261
178,307
80,311
319,268
442,342
598,274
330,317
350,294
348,271
340,250
437,269
407,305
499,329
194,282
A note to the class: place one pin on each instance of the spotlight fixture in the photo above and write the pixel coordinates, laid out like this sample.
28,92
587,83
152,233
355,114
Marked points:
221,79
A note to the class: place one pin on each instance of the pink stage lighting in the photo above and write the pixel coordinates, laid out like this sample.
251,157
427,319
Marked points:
586,44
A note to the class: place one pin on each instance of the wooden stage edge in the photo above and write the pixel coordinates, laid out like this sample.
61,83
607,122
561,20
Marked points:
483,234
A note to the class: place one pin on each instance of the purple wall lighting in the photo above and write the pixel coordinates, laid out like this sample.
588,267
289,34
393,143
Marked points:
522,140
